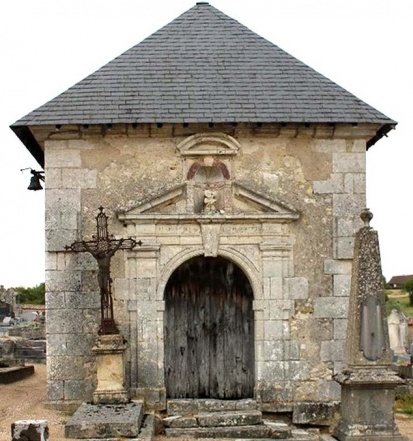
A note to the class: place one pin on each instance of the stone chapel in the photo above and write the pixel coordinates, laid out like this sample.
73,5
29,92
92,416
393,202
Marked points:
242,171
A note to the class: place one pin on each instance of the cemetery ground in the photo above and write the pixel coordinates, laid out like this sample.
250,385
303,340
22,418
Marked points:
26,399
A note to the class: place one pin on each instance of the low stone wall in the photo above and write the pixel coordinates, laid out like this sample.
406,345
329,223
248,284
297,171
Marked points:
14,351
36,331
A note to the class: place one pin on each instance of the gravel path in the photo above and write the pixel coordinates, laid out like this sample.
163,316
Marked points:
26,399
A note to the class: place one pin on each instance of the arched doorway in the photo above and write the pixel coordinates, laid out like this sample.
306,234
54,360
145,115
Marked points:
209,331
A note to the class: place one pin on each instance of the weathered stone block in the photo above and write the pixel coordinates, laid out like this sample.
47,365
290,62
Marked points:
337,267
297,288
105,421
332,350
62,158
328,390
340,329
330,307
62,367
51,261
272,268
344,226
63,281
79,178
343,204
273,350
233,418
343,247
273,330
298,370
318,414
55,300
341,284
349,162
56,344
276,288
55,390
30,430
181,422
76,300
64,200
278,309
80,390
57,239
54,178
333,185
80,344
61,321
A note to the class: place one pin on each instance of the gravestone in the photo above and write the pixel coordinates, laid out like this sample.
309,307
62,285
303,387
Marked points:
367,382
397,333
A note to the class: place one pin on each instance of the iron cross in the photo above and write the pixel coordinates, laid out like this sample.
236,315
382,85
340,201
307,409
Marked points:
102,247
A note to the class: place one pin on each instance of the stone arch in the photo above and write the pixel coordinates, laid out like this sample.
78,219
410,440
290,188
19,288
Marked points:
214,163
239,259
209,144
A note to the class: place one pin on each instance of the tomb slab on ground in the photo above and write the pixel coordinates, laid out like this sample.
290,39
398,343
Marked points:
103,421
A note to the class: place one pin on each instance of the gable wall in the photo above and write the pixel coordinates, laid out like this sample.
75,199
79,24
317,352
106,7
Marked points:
300,271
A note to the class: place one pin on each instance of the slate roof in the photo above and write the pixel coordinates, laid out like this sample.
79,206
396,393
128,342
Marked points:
204,67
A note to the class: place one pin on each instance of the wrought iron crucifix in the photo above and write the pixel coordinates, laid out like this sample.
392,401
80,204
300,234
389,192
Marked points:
102,247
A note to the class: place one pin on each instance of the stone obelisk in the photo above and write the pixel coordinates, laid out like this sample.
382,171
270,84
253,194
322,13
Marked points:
367,382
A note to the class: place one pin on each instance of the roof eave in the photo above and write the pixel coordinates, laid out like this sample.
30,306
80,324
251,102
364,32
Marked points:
383,131
27,138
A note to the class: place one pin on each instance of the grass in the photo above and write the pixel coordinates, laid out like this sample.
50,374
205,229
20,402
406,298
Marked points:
399,301
404,404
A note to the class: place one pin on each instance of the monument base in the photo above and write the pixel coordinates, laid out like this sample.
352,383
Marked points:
367,400
110,370
106,421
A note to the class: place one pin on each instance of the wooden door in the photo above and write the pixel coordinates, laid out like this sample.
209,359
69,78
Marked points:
209,331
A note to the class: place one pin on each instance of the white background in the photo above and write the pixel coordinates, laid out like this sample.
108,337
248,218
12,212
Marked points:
47,46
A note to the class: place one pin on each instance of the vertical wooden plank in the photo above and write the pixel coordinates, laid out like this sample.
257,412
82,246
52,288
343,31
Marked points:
209,339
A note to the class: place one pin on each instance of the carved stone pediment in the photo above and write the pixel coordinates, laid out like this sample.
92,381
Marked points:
205,144
241,204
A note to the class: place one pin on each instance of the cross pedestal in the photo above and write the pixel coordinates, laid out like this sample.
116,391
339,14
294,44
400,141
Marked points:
110,365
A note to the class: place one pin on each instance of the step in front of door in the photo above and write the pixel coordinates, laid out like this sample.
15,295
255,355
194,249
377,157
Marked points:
187,407
260,431
216,419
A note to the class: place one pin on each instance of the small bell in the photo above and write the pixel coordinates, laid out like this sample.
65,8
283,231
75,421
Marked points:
35,182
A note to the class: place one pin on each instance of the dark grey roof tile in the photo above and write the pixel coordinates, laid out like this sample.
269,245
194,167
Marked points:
204,66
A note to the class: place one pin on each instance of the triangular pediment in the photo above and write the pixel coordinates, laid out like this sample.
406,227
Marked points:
245,203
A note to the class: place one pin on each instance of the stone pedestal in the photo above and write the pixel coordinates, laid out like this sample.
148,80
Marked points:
110,370
367,400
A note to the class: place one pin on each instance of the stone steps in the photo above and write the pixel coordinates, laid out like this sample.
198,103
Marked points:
187,407
215,419
205,418
261,431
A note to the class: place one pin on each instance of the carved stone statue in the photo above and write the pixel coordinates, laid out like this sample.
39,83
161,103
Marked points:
210,201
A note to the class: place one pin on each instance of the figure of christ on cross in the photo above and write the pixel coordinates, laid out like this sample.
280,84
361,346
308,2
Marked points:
102,248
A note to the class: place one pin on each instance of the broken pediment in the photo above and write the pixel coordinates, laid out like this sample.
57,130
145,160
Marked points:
206,144
238,202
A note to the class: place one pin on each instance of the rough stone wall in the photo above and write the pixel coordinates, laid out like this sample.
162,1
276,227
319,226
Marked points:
299,270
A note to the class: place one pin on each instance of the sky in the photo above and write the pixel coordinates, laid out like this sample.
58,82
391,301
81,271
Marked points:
46,46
